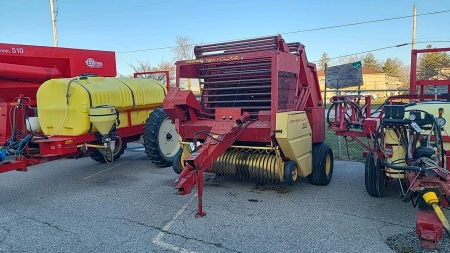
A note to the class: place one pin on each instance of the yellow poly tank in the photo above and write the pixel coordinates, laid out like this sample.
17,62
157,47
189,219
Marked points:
398,153
63,105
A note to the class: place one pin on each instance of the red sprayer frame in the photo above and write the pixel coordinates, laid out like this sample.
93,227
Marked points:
351,116
23,69
267,76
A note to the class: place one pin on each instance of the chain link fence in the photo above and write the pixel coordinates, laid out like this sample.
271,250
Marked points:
347,148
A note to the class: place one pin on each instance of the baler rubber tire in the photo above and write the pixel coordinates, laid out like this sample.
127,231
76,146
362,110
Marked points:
151,140
176,165
376,186
98,157
322,157
289,167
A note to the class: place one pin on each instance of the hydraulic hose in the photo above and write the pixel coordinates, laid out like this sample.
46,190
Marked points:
403,167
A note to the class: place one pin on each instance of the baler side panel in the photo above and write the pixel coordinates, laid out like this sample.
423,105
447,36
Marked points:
314,105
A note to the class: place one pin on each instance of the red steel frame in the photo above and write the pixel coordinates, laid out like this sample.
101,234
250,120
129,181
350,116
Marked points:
428,227
255,66
166,73
23,68
422,83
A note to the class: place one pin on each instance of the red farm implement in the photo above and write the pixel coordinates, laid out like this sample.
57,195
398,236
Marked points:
407,144
260,115
63,102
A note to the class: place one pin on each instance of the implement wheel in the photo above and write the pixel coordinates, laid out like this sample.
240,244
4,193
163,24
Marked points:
322,164
290,172
98,157
161,140
376,185
177,165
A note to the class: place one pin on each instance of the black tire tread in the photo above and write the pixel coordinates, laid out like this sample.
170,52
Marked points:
376,186
288,171
177,163
318,175
151,143
98,157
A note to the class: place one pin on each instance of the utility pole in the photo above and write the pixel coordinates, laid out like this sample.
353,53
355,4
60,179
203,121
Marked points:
53,12
414,29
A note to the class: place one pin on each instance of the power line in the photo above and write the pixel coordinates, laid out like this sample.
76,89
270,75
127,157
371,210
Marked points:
383,48
369,51
307,30
148,49
365,22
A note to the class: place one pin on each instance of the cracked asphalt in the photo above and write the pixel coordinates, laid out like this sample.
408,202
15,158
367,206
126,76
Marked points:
82,206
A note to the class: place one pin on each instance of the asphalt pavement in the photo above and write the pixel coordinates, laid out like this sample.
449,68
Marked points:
130,206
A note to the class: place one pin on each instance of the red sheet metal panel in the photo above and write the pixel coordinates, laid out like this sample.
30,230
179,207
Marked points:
70,61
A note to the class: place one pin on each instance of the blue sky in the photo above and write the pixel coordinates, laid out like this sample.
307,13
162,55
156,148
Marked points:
132,24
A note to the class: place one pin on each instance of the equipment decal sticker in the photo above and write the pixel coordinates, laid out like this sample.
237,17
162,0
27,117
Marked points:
91,63
13,50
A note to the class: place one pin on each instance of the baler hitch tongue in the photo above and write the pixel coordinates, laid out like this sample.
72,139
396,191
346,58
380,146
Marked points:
186,181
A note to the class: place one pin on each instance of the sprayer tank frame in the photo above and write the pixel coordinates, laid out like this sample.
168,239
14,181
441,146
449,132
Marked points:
61,146
55,148
23,68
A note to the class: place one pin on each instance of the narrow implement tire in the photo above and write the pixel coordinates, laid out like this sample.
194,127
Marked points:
290,172
98,157
322,164
376,185
177,165
161,141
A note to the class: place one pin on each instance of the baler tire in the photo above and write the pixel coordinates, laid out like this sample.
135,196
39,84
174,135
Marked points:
176,165
98,157
152,141
376,186
322,164
290,172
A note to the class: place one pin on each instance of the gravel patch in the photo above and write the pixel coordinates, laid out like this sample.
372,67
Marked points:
409,243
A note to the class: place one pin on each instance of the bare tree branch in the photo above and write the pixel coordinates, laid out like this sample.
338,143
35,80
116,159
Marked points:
184,49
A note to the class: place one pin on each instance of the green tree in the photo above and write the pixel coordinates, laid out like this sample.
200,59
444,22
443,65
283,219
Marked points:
369,61
324,60
392,66
430,65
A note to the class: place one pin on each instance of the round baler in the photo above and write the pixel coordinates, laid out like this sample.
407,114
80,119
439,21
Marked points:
260,115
